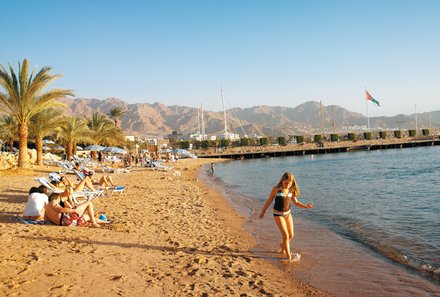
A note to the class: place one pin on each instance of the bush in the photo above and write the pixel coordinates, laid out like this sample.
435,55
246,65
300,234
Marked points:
425,132
224,143
264,141
398,134
334,137
244,141
281,140
184,144
412,133
351,136
300,139
367,135
205,144
317,138
383,134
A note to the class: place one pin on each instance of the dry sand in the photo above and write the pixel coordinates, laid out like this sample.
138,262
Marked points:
169,236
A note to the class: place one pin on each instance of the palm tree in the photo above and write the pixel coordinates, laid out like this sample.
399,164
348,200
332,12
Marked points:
43,124
116,113
25,96
72,131
9,128
102,130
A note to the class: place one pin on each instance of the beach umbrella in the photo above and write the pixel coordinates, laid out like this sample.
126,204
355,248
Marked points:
79,148
94,147
165,150
46,148
58,148
114,150
48,141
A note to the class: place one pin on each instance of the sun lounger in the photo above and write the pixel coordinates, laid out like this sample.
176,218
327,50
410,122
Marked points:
88,195
65,168
160,167
112,190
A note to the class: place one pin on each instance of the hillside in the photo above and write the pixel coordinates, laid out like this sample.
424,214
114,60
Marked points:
157,119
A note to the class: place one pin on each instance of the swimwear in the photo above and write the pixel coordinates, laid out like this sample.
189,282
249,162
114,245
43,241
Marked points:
72,219
280,213
282,204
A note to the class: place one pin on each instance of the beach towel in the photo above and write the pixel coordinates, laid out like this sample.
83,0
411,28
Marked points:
30,222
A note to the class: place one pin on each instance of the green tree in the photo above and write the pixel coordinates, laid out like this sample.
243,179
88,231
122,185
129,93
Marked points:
281,140
185,144
72,130
25,96
264,141
205,144
116,114
9,128
244,141
224,143
103,132
44,123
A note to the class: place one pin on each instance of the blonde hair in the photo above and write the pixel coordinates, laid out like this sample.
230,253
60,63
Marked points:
294,187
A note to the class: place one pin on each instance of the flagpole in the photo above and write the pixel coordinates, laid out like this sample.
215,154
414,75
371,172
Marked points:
366,106
415,114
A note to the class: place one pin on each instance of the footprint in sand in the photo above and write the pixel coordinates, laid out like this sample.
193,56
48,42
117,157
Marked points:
119,278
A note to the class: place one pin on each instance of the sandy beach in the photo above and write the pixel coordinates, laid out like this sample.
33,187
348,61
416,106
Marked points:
169,235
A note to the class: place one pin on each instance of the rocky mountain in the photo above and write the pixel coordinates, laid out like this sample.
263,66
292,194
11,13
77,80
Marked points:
144,119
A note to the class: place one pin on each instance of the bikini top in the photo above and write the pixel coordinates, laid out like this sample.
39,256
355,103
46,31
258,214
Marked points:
282,202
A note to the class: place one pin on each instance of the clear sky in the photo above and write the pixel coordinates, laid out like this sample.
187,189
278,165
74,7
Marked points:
261,52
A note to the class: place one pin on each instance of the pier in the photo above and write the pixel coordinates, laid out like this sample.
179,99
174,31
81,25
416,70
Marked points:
312,149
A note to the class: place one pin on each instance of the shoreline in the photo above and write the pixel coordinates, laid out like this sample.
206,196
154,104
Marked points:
170,235
321,271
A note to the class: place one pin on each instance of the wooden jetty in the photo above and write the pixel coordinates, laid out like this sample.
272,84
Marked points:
299,151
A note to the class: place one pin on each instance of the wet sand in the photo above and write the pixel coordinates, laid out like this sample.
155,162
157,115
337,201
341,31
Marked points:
170,236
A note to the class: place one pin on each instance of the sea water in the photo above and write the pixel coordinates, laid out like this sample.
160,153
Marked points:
375,228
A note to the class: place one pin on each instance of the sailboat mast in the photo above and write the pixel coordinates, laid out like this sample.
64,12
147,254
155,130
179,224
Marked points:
198,120
224,113
334,123
322,119
203,122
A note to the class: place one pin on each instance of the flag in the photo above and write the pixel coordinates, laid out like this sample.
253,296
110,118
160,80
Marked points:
369,97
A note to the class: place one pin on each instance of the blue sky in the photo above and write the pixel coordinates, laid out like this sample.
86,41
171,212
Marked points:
260,52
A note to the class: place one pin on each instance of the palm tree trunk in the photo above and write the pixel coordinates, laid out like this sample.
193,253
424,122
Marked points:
11,144
22,149
40,150
69,150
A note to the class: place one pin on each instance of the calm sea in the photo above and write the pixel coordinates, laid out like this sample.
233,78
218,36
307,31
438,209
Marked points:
375,228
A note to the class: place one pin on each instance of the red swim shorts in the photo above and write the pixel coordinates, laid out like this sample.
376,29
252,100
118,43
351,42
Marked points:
72,219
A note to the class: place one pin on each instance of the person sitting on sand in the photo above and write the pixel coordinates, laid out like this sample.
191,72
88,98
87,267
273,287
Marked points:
69,215
285,191
37,201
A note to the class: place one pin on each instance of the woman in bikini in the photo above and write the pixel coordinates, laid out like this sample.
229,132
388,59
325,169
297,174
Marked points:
285,191
61,212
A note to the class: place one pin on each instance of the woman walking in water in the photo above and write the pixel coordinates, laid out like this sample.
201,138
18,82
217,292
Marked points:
285,191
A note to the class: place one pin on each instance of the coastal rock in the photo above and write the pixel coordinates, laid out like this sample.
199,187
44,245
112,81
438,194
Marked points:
8,161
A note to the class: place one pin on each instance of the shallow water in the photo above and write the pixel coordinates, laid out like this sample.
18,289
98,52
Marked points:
375,228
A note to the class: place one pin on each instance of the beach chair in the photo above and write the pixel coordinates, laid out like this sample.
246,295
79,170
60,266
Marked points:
64,167
111,190
158,166
107,169
43,181
88,195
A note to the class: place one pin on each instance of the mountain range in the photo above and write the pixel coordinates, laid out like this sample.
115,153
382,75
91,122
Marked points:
159,120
